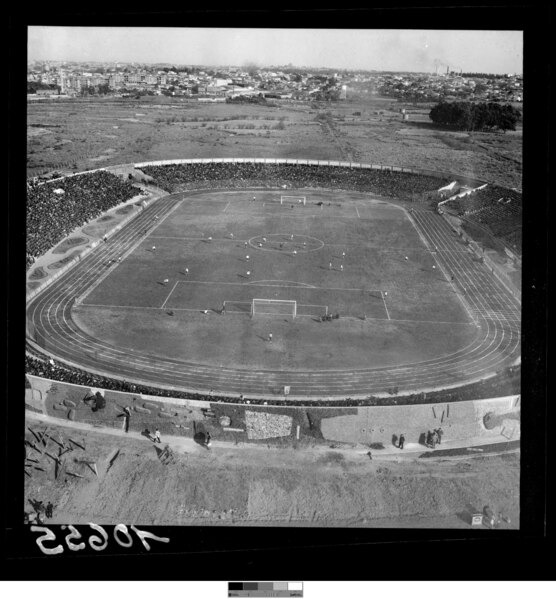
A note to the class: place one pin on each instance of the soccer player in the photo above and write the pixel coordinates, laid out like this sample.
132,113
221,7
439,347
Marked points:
264,239
165,281
343,254
156,218
231,235
433,267
291,237
270,337
119,258
186,271
295,252
330,266
406,258
248,273
245,244
260,245
154,248
342,267
210,238
385,293
247,258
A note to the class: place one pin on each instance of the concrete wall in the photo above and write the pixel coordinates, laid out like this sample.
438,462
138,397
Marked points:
377,424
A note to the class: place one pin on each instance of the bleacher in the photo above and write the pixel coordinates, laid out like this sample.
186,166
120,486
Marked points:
497,209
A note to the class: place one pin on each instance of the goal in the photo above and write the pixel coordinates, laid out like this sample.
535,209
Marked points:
293,200
270,306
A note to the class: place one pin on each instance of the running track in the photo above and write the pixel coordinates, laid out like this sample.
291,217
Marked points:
495,345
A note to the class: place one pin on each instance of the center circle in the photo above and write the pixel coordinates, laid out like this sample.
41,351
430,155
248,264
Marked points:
287,243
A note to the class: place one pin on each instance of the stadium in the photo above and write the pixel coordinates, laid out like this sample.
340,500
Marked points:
409,277
282,303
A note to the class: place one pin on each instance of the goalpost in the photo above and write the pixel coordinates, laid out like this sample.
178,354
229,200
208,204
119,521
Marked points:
271,306
293,200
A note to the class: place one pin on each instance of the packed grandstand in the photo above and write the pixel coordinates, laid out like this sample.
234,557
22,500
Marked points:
402,185
52,215
56,208
497,209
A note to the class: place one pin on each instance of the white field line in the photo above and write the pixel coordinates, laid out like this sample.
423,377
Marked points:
228,311
196,238
357,210
172,291
385,306
226,207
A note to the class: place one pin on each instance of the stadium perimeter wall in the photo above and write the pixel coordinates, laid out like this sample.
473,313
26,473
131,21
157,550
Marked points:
484,420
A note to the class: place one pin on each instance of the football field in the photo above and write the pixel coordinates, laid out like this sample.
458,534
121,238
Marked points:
187,287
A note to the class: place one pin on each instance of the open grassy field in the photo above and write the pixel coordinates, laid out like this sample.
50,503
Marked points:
81,135
395,307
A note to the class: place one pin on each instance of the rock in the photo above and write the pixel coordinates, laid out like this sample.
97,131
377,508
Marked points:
166,414
71,414
68,403
141,410
225,421
148,405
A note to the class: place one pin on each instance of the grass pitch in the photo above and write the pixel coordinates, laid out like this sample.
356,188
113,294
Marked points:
345,253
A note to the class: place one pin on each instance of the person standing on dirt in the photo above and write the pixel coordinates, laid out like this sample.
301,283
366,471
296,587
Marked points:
157,436
207,439
48,510
401,441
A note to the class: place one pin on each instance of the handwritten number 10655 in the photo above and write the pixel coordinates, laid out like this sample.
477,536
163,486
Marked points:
96,542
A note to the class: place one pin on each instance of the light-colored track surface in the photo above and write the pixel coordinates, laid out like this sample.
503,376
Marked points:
495,345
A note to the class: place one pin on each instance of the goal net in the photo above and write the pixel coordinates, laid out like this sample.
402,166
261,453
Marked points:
270,306
293,200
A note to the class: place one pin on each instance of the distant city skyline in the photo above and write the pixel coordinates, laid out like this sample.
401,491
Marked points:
353,49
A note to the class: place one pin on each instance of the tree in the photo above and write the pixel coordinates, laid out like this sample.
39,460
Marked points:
467,116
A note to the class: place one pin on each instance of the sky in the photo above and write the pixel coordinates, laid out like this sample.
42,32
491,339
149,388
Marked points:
366,49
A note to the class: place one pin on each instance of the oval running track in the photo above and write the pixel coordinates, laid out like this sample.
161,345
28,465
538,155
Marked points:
495,345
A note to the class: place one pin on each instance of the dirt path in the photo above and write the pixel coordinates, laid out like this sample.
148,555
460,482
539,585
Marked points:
247,485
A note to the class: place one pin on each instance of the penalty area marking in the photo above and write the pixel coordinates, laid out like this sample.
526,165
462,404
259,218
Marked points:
358,318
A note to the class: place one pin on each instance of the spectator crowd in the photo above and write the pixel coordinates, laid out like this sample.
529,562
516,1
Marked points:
497,209
506,382
405,186
56,208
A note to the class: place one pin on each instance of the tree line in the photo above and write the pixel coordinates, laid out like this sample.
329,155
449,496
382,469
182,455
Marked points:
468,116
